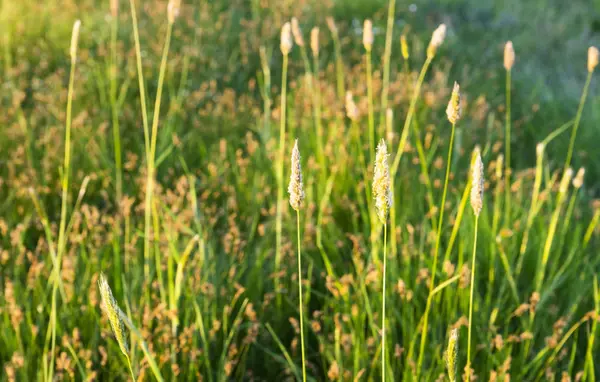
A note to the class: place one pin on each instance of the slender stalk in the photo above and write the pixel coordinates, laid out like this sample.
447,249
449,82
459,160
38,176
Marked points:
471,300
301,304
383,350
577,119
63,217
507,163
437,248
278,223
370,99
130,369
142,88
386,63
115,111
317,111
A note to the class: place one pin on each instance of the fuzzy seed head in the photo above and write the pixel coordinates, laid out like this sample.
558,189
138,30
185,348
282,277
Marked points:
453,111
286,43
509,55
114,8
173,10
578,180
368,35
381,182
296,188
499,167
451,354
314,41
564,182
592,58
539,149
351,108
437,39
331,25
477,185
109,304
75,40
297,32
404,47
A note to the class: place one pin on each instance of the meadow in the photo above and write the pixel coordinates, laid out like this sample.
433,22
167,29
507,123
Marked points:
259,190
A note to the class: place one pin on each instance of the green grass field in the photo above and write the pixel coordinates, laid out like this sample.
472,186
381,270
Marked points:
146,229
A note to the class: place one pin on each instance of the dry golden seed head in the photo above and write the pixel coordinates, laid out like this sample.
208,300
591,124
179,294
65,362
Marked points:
578,181
437,39
368,35
564,182
296,188
499,166
173,10
351,108
331,25
404,47
381,182
453,111
477,185
509,55
592,58
286,43
109,304
75,40
114,8
297,32
314,41
451,354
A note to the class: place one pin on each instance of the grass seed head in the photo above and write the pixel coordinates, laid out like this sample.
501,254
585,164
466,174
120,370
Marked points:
404,47
381,182
109,304
351,108
477,185
114,8
331,25
509,55
437,39
297,32
578,180
566,179
314,41
296,188
173,10
286,43
75,40
368,35
453,111
592,58
451,354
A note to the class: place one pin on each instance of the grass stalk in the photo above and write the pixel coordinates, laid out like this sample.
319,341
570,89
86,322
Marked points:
386,63
471,299
383,294
507,162
301,305
115,111
280,159
578,119
368,57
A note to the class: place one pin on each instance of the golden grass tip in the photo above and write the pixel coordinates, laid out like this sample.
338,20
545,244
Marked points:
286,43
509,55
381,182
453,111
296,188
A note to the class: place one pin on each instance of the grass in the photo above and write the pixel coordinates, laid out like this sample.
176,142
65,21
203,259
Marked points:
157,158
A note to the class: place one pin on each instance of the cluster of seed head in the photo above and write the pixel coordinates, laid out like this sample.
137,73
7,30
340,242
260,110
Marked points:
296,188
453,111
75,41
368,35
314,41
109,304
297,32
351,108
509,55
437,39
477,185
173,10
381,182
451,354
286,43
592,58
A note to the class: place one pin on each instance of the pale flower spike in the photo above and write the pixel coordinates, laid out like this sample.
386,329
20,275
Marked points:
453,111
173,10
509,55
592,58
314,41
286,39
296,188
451,354
75,40
112,310
297,32
477,185
368,35
437,39
381,182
